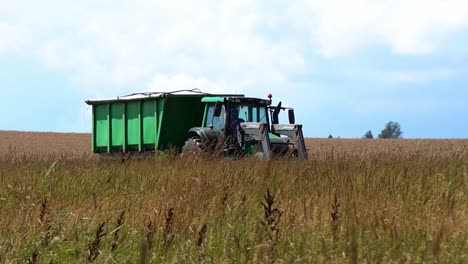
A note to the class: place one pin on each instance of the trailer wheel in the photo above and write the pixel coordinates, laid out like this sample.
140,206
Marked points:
192,146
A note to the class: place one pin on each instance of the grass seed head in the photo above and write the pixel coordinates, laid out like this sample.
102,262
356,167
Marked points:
93,247
167,234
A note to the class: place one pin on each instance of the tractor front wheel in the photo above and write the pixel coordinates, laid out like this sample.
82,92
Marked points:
193,146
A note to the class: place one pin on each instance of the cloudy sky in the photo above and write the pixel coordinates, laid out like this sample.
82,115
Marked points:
346,66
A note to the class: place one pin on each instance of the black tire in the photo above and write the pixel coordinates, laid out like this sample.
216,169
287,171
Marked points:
192,146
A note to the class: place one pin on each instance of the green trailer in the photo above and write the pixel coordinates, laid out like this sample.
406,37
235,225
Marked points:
146,122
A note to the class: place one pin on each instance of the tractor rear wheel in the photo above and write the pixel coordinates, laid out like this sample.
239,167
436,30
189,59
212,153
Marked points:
193,146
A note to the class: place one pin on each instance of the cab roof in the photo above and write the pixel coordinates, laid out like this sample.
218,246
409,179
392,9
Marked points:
235,99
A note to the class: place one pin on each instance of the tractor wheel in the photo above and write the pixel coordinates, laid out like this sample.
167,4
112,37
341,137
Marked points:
192,146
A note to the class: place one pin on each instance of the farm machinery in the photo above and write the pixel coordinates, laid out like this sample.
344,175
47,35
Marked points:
194,122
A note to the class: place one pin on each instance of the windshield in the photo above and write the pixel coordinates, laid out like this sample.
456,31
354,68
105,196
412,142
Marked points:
215,121
249,113
241,113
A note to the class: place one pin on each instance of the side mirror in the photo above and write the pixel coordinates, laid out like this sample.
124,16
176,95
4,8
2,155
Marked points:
218,109
292,118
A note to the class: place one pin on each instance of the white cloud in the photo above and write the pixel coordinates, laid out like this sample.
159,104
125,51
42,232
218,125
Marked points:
12,37
118,43
229,45
338,27
428,74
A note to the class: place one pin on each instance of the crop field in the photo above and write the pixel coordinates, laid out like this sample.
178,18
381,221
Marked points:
353,201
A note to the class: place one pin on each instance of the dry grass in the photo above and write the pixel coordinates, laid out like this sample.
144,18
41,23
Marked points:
352,201
352,148
44,143
40,144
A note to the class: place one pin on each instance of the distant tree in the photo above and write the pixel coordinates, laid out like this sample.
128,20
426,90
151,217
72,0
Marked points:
368,135
330,136
391,130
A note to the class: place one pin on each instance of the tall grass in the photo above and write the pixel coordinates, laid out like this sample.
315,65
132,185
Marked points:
392,205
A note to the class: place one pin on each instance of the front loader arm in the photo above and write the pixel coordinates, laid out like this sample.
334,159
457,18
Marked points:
294,132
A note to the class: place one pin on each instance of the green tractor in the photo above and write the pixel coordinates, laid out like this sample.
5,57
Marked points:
239,126
195,122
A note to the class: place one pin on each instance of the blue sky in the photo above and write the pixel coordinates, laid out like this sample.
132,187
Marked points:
346,66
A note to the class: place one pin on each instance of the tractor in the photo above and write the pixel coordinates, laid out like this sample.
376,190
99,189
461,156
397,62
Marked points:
237,126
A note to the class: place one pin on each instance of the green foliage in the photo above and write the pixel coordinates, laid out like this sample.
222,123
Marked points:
368,135
330,136
391,130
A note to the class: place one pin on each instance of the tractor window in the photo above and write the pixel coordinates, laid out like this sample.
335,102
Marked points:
262,115
259,114
244,113
254,113
251,113
217,122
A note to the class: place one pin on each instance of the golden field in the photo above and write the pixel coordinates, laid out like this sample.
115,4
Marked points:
353,201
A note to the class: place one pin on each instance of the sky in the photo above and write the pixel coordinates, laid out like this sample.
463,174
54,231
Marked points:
346,66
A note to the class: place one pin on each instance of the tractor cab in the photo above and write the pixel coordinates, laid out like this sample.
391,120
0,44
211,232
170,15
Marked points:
220,111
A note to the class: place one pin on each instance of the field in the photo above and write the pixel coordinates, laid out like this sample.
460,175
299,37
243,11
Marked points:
353,201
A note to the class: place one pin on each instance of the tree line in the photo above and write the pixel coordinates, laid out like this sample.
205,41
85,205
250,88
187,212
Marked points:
391,130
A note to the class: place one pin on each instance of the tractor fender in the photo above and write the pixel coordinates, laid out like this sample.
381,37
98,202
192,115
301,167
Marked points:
206,134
